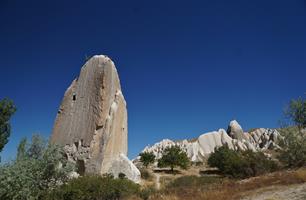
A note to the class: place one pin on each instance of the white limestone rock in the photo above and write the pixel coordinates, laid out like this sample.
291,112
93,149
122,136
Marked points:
235,131
123,165
235,138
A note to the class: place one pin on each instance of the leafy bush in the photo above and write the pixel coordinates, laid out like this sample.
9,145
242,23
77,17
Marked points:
147,158
241,164
293,152
7,109
94,187
38,167
172,157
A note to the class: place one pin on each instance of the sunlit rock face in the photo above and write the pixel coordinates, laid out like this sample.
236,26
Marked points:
235,138
91,122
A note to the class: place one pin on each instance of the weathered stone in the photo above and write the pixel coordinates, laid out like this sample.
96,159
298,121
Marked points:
123,165
199,149
235,131
91,122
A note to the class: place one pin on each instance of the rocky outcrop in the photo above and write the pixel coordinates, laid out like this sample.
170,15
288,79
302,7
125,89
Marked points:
123,165
91,122
235,138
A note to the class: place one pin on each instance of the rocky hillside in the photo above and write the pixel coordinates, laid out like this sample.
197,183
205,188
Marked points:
197,150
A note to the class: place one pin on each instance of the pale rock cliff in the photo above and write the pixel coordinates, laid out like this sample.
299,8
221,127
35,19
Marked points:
91,123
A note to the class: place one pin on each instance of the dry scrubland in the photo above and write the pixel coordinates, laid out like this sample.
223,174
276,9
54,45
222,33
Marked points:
275,186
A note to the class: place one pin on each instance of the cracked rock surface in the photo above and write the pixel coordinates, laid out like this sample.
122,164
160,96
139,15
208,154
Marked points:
91,123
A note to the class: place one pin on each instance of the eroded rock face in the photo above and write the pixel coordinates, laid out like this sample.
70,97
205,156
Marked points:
123,165
235,138
91,122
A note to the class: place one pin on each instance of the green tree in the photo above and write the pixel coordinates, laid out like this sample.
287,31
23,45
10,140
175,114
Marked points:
7,109
147,158
174,157
32,173
296,112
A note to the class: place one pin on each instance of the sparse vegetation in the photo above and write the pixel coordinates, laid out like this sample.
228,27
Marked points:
174,157
209,188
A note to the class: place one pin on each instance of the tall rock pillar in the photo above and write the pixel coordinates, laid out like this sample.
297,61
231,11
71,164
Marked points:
91,123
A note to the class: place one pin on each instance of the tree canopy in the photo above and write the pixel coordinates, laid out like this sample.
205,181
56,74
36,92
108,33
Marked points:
174,157
7,109
147,158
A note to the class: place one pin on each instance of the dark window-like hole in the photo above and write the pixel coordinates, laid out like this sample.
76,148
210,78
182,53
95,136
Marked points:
80,164
74,97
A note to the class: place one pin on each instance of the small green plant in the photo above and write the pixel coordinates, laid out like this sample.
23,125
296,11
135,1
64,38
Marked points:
147,158
174,157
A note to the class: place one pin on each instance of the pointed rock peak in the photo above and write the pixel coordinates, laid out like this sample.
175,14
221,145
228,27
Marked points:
235,131
234,123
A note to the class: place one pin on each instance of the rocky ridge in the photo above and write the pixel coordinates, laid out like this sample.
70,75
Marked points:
199,149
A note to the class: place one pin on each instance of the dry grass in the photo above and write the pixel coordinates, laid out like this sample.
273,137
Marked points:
228,189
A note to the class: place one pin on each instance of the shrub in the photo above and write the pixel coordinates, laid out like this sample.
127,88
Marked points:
241,164
38,167
147,158
145,174
172,157
293,152
146,192
94,187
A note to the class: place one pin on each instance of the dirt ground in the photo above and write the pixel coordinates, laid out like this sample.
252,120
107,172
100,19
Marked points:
292,192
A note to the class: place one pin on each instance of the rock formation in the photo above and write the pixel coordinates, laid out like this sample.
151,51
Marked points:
91,122
199,149
123,165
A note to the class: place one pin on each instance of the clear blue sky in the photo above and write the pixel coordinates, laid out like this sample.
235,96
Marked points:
186,67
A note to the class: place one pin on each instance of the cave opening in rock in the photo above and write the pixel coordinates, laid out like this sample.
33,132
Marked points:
80,165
